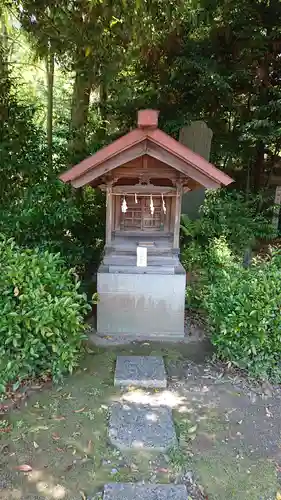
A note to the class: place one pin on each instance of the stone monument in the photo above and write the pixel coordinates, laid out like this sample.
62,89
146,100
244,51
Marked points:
198,137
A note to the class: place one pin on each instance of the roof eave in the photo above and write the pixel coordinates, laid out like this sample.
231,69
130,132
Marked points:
122,144
167,142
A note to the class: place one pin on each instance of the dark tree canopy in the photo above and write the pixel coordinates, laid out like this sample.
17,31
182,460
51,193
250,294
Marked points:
74,73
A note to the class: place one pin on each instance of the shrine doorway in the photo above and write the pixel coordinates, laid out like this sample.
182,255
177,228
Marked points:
139,217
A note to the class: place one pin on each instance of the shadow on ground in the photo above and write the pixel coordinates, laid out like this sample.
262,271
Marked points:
228,431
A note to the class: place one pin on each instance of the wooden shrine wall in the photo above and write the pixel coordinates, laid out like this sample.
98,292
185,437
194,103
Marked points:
145,169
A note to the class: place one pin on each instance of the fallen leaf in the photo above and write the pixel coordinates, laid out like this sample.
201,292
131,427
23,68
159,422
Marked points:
59,418
88,51
89,447
59,449
6,429
55,436
162,469
193,429
80,411
4,448
35,444
268,414
24,468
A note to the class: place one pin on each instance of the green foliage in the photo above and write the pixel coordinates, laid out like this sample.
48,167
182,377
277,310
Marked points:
50,216
243,307
229,214
212,66
145,52
42,314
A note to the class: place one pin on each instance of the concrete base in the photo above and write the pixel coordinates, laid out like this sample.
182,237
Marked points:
146,305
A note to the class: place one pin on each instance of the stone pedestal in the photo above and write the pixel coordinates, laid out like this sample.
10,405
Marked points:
146,305
141,302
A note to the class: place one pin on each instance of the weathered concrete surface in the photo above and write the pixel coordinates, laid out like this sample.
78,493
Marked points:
132,491
133,426
140,371
143,305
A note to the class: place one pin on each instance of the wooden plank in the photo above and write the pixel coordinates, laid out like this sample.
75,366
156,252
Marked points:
154,172
172,214
108,214
167,217
117,203
176,243
146,190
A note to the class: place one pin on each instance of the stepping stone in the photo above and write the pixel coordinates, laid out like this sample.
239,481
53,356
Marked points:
140,371
147,427
132,491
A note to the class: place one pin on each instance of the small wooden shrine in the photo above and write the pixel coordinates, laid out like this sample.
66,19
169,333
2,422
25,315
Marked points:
141,283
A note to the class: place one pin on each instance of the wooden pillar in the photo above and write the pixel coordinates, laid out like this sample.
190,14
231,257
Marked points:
176,243
109,212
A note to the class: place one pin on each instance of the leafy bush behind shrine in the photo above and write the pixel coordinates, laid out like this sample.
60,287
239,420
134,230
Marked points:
42,314
243,306
241,299
231,214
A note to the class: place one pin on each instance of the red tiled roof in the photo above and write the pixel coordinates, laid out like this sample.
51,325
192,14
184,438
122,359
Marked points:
147,131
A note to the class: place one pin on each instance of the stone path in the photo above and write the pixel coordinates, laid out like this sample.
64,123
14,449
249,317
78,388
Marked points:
142,426
145,426
132,491
140,371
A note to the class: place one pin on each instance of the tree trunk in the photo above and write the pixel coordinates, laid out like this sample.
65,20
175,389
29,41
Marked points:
50,70
103,111
79,115
258,167
5,84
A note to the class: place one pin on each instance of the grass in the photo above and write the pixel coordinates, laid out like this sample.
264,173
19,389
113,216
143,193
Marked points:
62,435
226,476
222,473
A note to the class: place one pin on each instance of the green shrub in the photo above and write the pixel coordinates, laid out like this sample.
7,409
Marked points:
51,217
231,215
243,308
42,312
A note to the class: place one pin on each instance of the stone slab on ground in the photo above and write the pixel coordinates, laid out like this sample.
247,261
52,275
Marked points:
134,426
140,371
132,491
